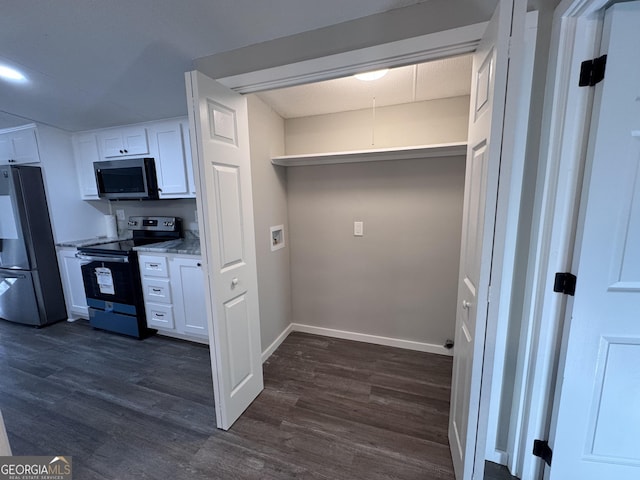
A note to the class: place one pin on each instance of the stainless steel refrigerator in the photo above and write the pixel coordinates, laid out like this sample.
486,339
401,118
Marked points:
30,285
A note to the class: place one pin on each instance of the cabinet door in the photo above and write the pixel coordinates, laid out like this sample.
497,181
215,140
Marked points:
166,146
124,142
153,265
160,316
85,152
156,290
19,146
72,284
6,148
186,138
134,141
111,143
189,300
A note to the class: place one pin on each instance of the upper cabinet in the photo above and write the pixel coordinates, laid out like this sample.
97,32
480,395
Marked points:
166,141
124,142
169,146
85,152
19,145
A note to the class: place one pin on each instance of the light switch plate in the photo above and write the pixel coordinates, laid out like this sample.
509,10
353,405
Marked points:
358,229
120,214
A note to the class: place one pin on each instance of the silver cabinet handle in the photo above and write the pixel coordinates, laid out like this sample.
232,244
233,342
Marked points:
234,283
466,305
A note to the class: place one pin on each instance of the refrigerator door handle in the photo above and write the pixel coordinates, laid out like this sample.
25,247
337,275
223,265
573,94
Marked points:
12,275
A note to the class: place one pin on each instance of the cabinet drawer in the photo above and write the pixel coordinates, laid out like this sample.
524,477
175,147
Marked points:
153,266
160,316
156,290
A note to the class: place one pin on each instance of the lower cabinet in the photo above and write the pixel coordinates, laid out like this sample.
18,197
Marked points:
174,296
72,284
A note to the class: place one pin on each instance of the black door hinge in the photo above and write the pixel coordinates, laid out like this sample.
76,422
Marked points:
565,282
541,449
592,71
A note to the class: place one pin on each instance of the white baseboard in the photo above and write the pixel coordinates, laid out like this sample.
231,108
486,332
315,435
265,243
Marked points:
363,337
276,343
498,456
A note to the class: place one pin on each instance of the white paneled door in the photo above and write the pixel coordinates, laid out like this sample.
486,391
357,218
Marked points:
486,118
597,416
221,159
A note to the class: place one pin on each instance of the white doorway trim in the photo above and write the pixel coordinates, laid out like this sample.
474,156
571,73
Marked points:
419,49
403,52
565,128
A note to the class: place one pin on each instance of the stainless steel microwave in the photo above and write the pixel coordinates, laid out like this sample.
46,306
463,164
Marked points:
132,179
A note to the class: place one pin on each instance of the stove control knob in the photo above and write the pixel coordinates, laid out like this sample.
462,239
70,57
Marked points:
133,223
168,224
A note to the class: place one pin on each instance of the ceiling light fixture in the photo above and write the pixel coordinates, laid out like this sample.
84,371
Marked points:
11,74
370,76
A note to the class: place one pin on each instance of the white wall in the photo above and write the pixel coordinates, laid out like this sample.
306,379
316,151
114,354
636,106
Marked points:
269,209
412,21
71,217
420,123
400,279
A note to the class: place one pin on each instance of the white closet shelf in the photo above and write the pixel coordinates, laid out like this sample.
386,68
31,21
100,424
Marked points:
373,155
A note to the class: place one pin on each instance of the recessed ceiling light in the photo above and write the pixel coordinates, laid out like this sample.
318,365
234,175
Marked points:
370,76
11,74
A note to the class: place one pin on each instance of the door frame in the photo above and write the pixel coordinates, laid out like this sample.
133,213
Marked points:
415,50
576,31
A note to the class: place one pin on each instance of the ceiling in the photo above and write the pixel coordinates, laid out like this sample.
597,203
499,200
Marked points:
98,63
450,77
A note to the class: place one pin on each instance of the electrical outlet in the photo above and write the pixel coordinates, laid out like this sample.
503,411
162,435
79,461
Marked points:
120,214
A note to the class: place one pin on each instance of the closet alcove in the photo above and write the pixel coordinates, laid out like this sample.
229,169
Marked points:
389,154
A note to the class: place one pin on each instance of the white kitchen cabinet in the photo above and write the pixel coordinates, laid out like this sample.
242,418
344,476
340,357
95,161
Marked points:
72,284
186,138
189,304
85,152
167,141
173,291
124,142
19,145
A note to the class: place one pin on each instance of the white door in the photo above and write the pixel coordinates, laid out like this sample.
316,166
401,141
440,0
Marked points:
220,144
597,415
488,93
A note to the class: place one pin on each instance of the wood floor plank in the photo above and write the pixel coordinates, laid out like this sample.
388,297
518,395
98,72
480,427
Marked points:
126,409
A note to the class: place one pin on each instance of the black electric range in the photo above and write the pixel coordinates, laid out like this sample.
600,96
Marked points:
111,276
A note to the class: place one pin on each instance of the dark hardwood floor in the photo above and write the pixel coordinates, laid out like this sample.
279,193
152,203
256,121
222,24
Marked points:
493,471
129,409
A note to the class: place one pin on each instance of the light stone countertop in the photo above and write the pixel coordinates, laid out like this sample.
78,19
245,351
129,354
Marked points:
183,246
90,241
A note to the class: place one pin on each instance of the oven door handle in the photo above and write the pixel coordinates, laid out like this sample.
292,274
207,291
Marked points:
98,258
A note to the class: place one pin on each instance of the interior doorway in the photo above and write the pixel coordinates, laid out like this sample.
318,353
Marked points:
393,287
205,128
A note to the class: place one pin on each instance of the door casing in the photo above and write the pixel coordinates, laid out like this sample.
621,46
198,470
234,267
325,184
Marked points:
576,29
